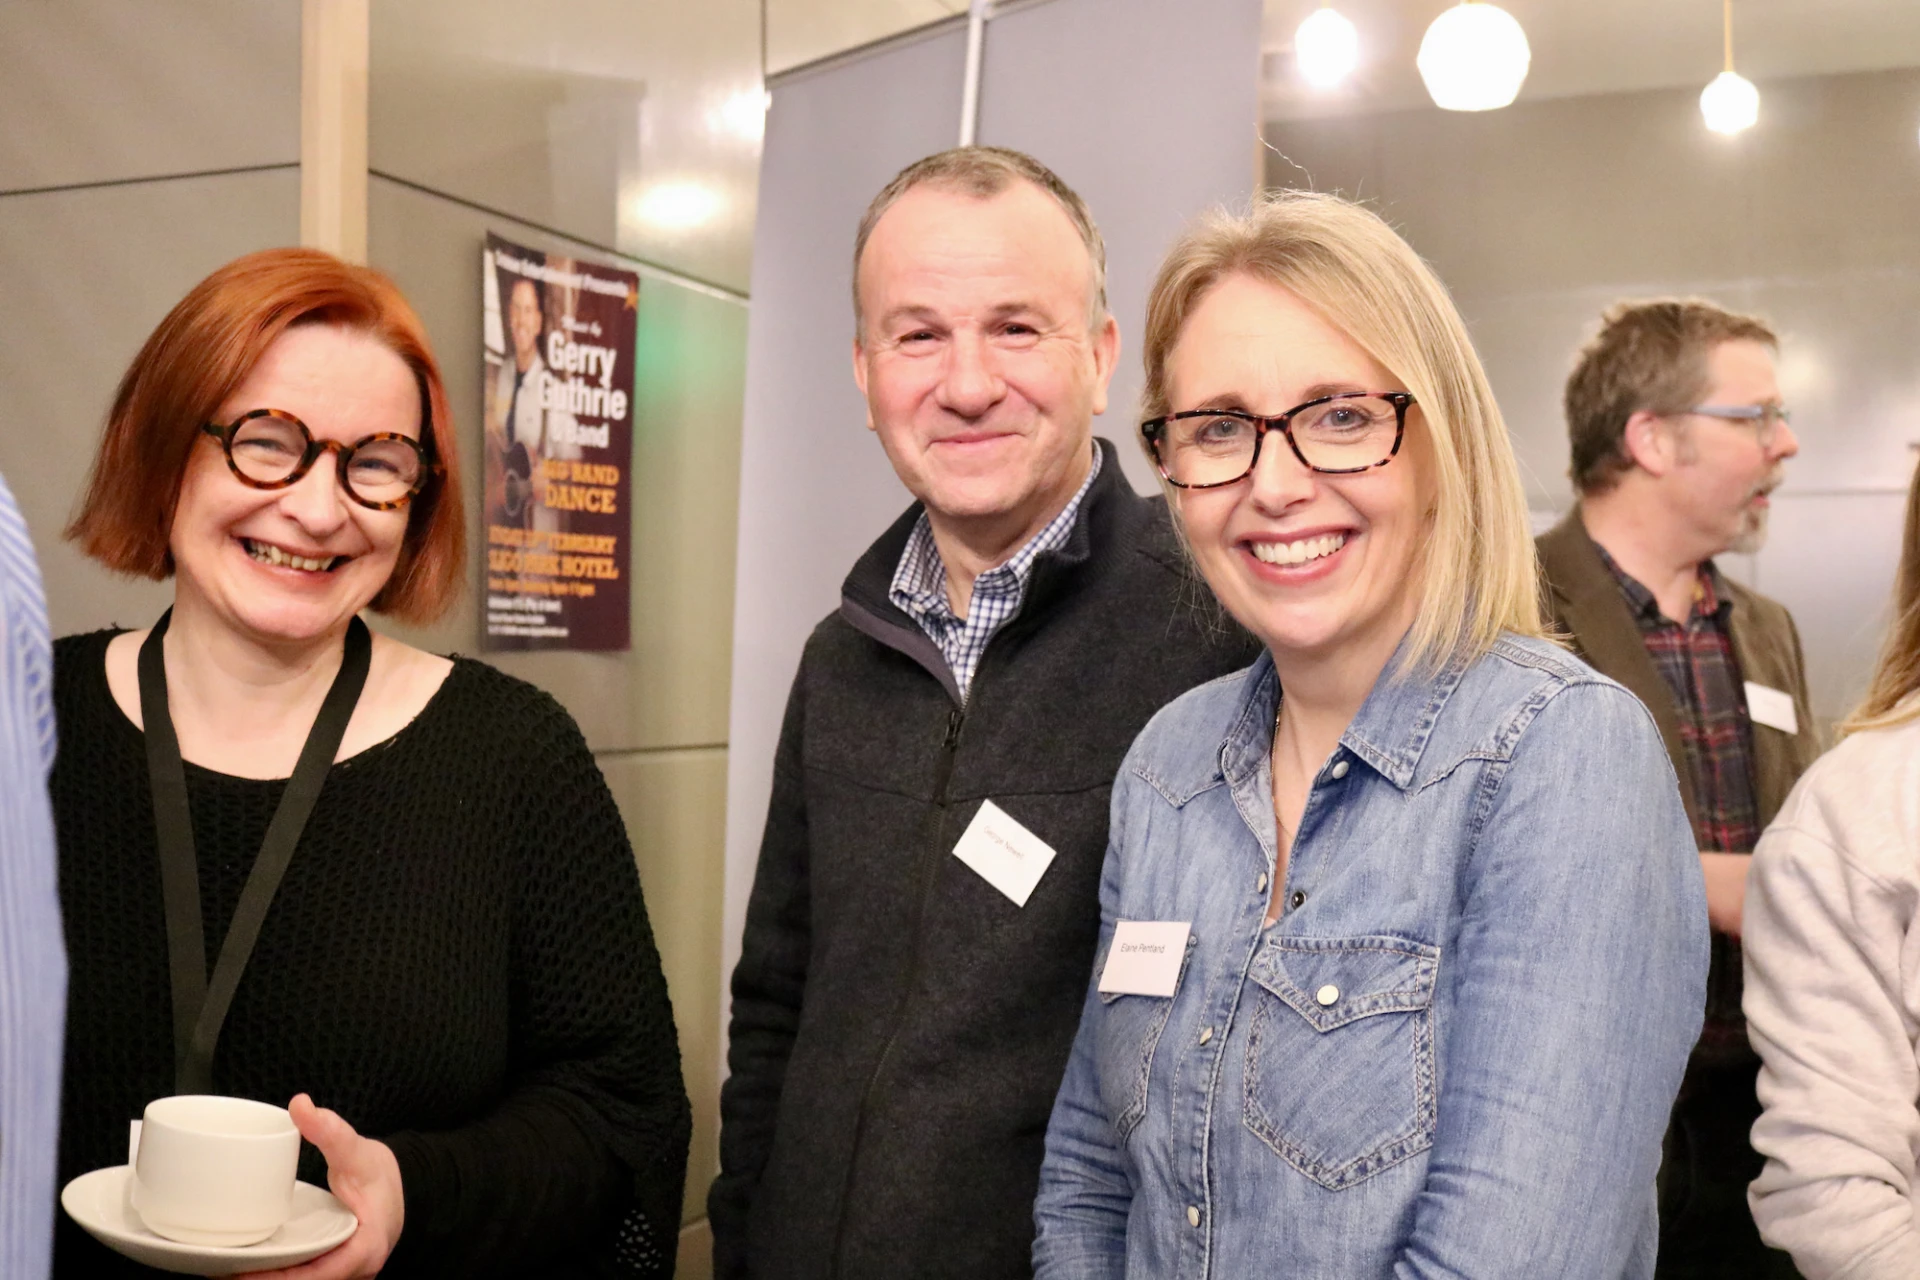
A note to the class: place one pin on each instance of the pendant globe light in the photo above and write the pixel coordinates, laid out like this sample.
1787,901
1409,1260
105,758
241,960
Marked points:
1474,57
1729,103
1326,47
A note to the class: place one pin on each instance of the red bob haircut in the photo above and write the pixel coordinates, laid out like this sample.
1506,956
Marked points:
201,353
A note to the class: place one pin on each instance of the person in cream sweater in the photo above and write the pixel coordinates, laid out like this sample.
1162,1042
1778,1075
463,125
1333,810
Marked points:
1833,982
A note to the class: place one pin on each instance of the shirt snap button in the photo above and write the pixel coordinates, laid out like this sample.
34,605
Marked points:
1206,1034
1193,1215
1299,899
1327,994
1339,768
1261,883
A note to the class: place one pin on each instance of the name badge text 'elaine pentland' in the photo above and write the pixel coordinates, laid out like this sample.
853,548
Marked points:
1145,957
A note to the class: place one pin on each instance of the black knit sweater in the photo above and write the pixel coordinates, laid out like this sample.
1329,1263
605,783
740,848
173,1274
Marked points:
458,962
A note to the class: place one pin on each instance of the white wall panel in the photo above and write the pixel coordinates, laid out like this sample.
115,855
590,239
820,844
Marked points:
104,90
1831,557
633,126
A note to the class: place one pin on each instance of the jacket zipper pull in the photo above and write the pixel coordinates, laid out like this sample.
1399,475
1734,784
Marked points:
954,718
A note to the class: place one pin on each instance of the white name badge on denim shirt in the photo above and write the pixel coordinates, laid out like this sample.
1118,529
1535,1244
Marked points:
1772,708
1145,957
1007,855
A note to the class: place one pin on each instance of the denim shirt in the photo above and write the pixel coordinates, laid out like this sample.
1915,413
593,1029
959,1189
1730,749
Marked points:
1455,1051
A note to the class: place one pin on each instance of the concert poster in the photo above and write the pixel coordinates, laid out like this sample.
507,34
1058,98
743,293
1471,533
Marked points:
557,401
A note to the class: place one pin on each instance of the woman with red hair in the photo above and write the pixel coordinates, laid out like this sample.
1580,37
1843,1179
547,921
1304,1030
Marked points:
303,861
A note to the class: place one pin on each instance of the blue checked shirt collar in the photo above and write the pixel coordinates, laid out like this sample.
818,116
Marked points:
920,587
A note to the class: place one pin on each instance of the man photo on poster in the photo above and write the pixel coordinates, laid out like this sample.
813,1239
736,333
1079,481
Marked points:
522,432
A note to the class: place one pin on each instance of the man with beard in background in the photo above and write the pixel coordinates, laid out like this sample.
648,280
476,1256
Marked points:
1678,435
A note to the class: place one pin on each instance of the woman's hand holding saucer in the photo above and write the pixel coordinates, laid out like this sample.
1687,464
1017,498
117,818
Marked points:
365,1177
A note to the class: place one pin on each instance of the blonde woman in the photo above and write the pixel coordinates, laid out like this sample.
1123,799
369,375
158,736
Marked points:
1403,934
1833,981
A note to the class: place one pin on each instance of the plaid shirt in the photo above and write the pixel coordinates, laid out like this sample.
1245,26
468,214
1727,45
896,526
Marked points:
920,587
1696,660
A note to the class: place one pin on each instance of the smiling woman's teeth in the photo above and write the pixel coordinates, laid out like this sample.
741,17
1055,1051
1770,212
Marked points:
267,553
1299,552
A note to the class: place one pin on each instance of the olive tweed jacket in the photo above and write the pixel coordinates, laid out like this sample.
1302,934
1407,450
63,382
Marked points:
899,1026
1583,600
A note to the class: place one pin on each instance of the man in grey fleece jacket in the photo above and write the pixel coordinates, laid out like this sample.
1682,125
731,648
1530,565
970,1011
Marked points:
923,917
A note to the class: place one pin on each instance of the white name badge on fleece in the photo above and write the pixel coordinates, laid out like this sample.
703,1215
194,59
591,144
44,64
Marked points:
1772,708
1145,957
1007,855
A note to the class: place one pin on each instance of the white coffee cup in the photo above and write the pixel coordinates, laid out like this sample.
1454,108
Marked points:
215,1171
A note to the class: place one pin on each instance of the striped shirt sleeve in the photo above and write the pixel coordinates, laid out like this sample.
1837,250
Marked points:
33,964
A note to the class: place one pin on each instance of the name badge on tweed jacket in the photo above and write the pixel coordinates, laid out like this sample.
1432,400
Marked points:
1771,707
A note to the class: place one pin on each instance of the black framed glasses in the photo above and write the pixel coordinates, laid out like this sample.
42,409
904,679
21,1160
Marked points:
1335,435
1765,419
272,449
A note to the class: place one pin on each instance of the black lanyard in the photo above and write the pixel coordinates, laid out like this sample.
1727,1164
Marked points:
200,1004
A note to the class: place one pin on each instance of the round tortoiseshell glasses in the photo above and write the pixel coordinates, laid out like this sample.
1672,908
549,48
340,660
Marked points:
272,449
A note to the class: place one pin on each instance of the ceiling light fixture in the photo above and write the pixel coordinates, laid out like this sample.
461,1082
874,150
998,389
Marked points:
678,206
742,114
1326,46
1474,57
1730,103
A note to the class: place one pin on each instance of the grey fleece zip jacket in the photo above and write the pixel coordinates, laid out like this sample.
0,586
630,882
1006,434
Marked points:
899,1026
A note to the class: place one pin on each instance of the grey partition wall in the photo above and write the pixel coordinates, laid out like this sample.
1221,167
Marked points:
1088,86
814,486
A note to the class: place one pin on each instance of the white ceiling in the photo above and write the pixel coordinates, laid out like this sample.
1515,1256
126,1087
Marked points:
799,31
1599,46
1579,46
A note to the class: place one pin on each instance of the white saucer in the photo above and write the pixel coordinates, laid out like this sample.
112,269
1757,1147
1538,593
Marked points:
99,1202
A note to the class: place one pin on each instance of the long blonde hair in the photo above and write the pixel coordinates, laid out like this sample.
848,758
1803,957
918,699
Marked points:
1896,677
1478,574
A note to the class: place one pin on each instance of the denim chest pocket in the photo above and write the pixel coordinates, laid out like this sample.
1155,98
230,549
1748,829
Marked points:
1129,1032
1339,1077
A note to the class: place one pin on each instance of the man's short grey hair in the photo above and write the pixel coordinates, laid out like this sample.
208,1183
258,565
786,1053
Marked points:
984,172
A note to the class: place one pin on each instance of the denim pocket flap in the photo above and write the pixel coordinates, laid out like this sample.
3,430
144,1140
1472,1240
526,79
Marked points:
1331,982
1339,1062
